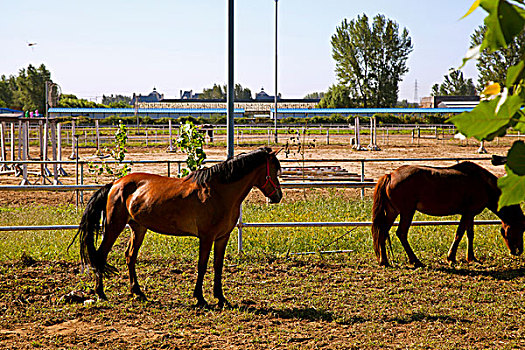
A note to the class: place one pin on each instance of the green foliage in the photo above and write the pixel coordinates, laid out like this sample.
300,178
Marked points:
371,59
117,101
454,84
493,66
337,96
218,92
191,141
118,153
502,108
314,95
25,91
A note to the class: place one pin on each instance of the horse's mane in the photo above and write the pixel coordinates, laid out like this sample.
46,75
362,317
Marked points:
232,169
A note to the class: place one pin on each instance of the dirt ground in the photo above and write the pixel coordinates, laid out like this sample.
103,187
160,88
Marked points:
343,303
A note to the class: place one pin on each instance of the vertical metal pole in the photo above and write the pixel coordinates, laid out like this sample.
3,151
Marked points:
98,137
275,114
54,151
75,145
362,178
229,95
239,232
13,142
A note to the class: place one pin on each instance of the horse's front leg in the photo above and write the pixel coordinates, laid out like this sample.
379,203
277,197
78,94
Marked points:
204,254
218,264
451,257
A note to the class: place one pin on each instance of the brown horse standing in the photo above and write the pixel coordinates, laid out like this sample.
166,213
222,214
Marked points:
205,204
464,189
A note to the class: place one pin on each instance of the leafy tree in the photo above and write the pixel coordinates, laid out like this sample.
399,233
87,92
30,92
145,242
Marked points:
337,96
71,101
191,141
370,59
502,108
118,153
7,91
218,92
454,84
493,65
31,87
241,93
119,101
314,95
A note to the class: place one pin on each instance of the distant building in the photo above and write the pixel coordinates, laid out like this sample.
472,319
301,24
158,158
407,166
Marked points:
153,96
263,96
188,95
449,101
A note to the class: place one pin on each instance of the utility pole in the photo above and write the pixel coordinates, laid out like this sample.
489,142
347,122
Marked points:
229,94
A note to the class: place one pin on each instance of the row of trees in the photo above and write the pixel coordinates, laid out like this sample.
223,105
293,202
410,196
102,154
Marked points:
26,91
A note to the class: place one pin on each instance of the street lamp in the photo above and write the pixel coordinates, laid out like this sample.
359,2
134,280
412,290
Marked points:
275,97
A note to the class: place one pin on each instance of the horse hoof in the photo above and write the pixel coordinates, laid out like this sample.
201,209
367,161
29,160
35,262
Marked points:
139,296
201,304
222,303
418,264
102,296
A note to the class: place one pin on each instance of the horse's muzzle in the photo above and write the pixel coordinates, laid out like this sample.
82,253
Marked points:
275,199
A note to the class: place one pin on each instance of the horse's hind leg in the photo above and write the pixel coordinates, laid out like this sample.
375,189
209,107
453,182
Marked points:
137,237
218,263
391,215
402,233
116,221
470,240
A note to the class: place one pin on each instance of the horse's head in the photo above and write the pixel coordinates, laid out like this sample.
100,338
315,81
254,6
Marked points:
270,185
512,228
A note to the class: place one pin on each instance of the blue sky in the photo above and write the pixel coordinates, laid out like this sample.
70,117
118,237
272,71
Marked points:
121,47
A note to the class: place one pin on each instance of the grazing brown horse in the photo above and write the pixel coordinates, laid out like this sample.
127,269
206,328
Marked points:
205,204
465,189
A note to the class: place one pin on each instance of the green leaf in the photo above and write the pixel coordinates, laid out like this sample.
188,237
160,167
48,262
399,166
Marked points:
520,121
512,189
482,122
503,22
515,74
516,158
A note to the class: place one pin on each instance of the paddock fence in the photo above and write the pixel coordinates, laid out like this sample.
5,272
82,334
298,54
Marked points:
362,185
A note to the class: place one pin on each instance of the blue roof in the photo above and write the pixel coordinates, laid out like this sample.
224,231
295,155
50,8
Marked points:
9,110
371,110
142,110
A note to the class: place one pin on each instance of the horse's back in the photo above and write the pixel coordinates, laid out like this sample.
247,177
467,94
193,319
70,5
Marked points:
440,190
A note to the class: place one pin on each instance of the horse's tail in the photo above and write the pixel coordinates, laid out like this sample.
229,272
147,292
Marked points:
379,213
89,228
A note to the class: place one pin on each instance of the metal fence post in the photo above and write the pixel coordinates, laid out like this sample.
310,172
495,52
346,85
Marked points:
362,178
239,231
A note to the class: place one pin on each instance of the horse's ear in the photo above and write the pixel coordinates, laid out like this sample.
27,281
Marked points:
275,153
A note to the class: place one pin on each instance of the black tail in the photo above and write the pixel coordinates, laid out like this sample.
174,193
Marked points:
378,214
89,228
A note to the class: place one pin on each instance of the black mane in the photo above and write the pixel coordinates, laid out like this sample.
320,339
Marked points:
233,169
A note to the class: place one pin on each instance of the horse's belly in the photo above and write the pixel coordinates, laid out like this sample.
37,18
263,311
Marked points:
440,209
